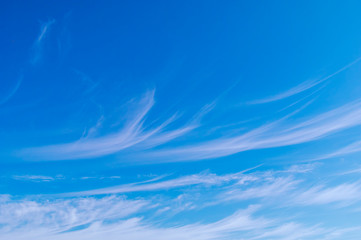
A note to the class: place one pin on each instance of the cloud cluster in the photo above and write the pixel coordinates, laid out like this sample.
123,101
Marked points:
133,133
285,131
87,216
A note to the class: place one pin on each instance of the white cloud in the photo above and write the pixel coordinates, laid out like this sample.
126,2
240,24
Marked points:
301,87
86,220
38,44
271,188
343,194
292,231
12,91
351,148
190,180
59,218
34,178
132,134
63,214
279,133
141,141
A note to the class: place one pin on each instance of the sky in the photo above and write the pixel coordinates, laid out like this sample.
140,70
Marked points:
185,119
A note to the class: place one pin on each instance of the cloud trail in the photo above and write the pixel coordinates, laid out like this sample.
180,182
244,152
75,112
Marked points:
351,148
197,179
38,44
59,223
12,92
132,134
34,178
302,87
64,214
87,218
279,133
141,141
345,194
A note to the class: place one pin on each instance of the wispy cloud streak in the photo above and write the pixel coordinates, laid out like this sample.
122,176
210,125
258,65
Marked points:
34,178
141,140
197,179
38,44
133,132
351,148
302,87
343,194
84,217
12,92
280,133
59,220
63,214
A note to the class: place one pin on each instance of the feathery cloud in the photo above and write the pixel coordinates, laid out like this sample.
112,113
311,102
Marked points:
12,92
83,217
302,87
133,132
279,133
37,50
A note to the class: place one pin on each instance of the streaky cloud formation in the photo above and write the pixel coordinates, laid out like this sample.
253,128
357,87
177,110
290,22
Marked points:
158,121
44,217
279,133
302,87
35,178
197,179
131,134
37,50
276,134
349,149
7,97
131,228
343,194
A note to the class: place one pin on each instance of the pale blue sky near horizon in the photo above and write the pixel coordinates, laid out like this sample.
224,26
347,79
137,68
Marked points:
180,120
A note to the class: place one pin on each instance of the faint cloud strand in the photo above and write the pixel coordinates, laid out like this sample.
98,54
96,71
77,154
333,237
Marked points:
90,218
351,148
131,134
12,92
302,87
38,44
270,135
281,132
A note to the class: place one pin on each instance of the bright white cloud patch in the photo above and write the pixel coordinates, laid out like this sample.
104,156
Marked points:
91,217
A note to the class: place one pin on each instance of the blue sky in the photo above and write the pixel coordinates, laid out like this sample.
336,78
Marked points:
180,120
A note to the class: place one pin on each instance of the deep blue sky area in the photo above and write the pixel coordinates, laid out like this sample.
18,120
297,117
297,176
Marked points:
180,120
